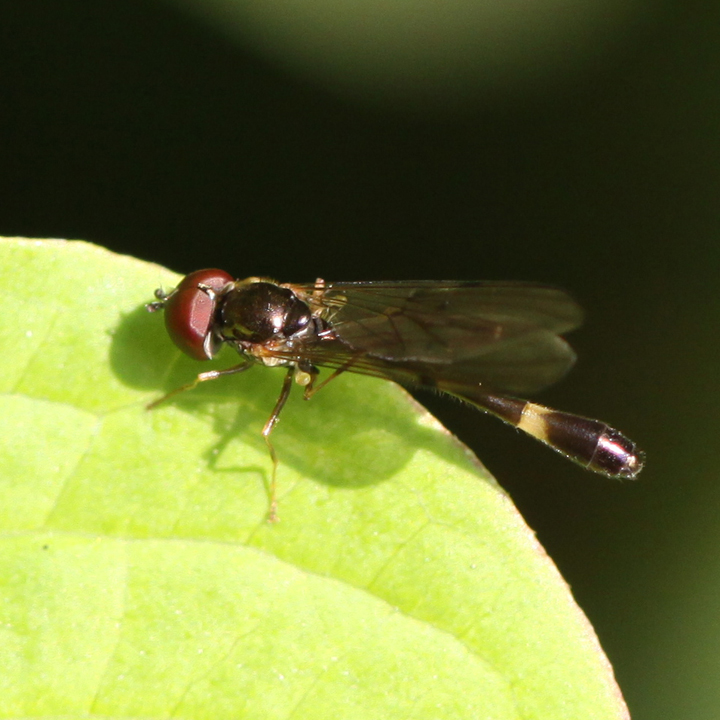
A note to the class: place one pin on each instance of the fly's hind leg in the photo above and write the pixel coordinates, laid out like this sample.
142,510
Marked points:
306,376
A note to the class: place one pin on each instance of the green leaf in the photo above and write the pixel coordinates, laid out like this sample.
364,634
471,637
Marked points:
138,576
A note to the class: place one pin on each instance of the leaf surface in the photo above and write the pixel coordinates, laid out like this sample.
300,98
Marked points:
138,576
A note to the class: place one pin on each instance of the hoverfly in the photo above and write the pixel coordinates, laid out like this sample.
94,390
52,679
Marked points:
484,342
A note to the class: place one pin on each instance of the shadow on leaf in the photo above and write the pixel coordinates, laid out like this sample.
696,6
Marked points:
356,432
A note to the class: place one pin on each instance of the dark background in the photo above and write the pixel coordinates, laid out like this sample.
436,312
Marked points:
136,127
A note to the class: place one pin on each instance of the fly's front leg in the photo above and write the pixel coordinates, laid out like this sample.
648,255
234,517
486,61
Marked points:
202,377
269,425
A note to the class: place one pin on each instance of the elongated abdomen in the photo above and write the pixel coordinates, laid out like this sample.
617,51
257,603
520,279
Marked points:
590,443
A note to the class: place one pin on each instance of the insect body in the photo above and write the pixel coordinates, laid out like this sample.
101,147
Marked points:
484,342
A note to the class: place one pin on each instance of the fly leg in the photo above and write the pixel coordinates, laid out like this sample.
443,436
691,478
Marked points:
269,425
202,377
312,373
316,299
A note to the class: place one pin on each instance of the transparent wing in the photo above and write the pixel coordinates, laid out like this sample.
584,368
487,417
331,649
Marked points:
444,322
501,335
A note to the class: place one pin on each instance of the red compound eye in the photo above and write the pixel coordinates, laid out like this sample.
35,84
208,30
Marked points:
190,312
